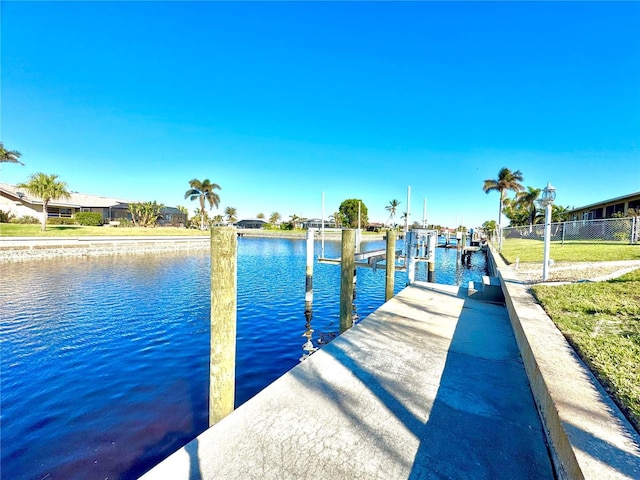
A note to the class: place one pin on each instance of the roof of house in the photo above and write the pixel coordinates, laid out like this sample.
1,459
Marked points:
603,202
172,210
252,220
75,199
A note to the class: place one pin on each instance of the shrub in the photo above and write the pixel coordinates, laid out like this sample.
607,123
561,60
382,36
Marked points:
6,217
27,219
61,221
91,219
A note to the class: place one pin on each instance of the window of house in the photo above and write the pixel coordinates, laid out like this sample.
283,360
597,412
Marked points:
613,209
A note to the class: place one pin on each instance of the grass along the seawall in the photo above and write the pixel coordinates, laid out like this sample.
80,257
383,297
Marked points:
601,320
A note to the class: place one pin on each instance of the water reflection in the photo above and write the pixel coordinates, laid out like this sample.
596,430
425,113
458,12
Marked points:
105,370
308,347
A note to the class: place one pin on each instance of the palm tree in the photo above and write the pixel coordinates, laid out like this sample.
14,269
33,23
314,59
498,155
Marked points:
391,208
338,219
231,213
516,213
47,188
293,220
201,190
274,218
9,156
507,180
527,200
559,213
145,214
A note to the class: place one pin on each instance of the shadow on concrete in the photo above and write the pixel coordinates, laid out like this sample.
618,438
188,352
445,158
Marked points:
194,462
607,453
481,421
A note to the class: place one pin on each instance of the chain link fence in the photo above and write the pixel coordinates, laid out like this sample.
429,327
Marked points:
624,230
525,243
582,249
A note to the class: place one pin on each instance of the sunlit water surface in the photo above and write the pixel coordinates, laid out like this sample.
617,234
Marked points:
105,360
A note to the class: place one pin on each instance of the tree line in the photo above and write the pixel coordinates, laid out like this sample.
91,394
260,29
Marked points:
522,209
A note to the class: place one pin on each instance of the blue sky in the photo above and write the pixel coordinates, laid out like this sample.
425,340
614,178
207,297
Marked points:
279,102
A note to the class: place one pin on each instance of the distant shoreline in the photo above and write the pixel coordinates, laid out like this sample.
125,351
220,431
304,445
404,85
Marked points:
17,249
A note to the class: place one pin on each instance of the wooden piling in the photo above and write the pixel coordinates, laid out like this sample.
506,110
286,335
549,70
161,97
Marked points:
347,267
391,265
224,248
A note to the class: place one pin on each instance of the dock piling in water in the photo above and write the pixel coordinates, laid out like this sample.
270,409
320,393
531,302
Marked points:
308,295
410,240
347,267
390,265
432,240
224,250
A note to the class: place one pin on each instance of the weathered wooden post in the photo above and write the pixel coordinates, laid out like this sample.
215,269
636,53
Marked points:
391,265
308,295
431,253
224,248
347,267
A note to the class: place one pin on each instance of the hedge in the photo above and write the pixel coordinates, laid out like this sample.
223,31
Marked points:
91,219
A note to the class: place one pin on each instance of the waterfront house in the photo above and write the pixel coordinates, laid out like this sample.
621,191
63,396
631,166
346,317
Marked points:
606,208
16,201
317,223
250,223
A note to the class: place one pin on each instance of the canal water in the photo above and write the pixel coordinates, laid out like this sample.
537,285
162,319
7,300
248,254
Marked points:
104,366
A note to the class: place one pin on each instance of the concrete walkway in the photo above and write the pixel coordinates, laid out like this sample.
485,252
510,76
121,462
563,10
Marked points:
430,386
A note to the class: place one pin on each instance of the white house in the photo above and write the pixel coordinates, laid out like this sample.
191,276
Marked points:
20,203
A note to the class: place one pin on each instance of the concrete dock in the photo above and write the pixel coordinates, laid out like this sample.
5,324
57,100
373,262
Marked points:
430,386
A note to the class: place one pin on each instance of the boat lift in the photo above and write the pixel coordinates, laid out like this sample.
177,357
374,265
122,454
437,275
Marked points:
420,246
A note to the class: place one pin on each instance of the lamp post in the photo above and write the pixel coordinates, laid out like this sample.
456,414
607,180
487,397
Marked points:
548,196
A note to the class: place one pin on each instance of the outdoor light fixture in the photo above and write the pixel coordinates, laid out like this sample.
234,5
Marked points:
548,196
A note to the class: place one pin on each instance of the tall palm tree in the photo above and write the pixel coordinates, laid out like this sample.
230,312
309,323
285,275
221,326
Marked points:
336,218
391,208
47,188
293,219
201,190
9,156
274,218
507,180
527,200
231,213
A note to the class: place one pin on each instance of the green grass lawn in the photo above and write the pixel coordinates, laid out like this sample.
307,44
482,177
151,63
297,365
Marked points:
528,250
601,320
19,230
